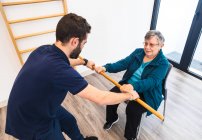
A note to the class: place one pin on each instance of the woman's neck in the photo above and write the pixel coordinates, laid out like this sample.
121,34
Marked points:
148,59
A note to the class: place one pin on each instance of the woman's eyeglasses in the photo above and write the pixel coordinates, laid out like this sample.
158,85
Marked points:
150,44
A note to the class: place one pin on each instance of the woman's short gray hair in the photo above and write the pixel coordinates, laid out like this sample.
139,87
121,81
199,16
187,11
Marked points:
155,33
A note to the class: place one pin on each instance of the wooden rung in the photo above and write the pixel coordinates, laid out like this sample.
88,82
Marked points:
34,34
25,2
27,50
35,18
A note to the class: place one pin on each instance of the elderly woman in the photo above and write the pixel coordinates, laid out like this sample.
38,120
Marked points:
145,69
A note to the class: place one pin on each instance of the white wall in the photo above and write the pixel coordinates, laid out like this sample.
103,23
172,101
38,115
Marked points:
9,64
118,27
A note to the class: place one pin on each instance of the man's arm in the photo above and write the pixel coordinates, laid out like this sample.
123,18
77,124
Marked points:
78,61
105,97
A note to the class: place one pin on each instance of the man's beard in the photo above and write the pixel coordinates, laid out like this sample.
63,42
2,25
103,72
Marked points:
75,53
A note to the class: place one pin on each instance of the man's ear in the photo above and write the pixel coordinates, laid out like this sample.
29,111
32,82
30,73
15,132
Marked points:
74,41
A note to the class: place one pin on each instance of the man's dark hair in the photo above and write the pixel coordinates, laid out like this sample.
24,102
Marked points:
72,25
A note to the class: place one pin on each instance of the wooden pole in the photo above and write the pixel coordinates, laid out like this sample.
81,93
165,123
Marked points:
137,100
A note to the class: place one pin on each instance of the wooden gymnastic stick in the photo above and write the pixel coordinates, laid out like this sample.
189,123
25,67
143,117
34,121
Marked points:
161,117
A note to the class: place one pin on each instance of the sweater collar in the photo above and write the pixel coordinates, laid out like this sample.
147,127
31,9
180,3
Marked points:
155,61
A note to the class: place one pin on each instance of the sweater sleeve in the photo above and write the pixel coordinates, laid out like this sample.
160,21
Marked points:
120,65
152,80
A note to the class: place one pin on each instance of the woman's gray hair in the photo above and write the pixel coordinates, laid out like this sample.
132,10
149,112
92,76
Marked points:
155,33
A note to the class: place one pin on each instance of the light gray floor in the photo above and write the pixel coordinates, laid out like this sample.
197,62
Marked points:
183,113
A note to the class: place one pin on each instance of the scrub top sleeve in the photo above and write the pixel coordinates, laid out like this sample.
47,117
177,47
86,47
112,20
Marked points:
67,79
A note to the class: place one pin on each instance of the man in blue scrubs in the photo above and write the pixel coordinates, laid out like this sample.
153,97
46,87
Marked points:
34,107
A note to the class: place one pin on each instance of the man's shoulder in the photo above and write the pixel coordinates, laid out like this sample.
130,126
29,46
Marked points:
48,55
42,48
40,52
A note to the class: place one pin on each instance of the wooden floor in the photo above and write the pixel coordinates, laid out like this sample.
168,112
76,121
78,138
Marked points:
183,119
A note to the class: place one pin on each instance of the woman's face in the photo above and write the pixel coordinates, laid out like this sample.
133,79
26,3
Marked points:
152,47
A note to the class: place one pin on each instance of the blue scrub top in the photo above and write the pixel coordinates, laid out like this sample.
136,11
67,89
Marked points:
39,90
